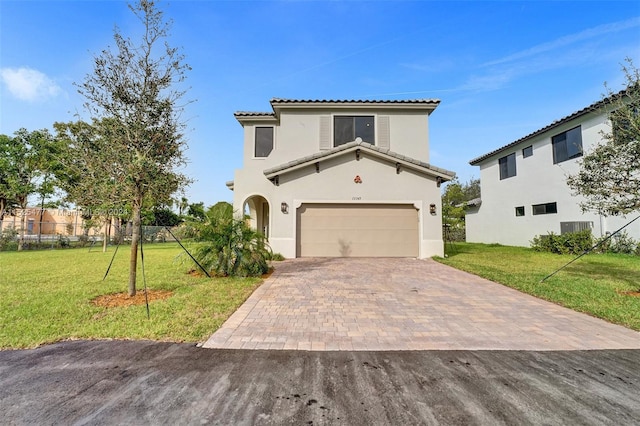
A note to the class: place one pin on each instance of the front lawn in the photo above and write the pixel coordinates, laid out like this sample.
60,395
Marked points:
45,296
595,284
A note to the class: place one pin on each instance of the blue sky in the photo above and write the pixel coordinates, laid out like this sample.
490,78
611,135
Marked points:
501,69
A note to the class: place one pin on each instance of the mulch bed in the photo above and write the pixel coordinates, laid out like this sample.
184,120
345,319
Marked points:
123,299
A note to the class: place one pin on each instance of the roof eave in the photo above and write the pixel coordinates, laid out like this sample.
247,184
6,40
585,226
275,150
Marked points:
419,105
595,107
255,117
444,175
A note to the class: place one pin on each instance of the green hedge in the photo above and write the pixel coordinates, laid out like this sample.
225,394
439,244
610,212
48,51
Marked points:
582,241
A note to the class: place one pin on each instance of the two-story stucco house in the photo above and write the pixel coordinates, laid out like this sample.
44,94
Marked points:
524,189
342,178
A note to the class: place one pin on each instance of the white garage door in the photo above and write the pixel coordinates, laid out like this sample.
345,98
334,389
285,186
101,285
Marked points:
357,230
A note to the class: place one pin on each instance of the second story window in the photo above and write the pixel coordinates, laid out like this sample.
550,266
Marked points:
567,145
348,128
507,166
264,141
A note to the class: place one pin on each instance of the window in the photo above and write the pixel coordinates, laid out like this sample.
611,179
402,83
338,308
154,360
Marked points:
348,128
264,141
567,145
547,208
520,211
568,227
527,152
507,166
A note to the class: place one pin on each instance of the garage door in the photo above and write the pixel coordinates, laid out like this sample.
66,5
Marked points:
357,230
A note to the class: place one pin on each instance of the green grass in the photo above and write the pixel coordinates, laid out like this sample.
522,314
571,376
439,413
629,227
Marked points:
593,284
45,296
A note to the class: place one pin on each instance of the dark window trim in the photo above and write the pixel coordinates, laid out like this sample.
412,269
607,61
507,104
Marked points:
545,208
519,211
560,145
507,165
527,151
255,141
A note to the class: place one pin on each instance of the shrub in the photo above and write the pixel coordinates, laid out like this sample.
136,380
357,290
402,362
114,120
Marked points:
569,243
455,234
623,243
8,239
277,257
63,242
234,249
228,246
83,240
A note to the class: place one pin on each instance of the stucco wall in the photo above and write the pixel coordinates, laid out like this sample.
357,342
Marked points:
409,134
298,135
297,131
334,183
537,181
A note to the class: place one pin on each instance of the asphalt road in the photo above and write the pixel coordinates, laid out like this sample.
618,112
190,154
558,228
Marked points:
134,382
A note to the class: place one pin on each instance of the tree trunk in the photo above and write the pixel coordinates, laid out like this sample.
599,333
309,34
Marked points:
3,205
120,228
107,232
23,223
40,222
135,239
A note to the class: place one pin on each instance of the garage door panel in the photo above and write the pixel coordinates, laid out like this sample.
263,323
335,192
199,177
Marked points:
358,230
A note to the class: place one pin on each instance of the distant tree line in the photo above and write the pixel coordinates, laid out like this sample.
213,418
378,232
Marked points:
129,154
455,197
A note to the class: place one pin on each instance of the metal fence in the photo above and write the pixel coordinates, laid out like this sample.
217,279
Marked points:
52,235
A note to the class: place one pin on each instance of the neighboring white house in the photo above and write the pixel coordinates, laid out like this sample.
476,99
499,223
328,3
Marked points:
342,178
524,189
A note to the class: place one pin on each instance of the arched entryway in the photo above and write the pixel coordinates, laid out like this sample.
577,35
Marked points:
257,209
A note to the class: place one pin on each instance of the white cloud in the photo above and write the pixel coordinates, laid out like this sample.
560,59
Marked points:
28,84
577,48
568,40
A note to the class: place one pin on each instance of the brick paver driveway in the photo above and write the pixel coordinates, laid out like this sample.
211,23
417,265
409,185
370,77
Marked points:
404,304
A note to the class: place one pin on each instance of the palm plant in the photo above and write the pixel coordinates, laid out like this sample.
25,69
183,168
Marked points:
227,246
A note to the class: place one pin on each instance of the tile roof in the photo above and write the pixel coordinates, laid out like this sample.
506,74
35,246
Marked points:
354,101
253,114
474,202
594,107
277,103
352,146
